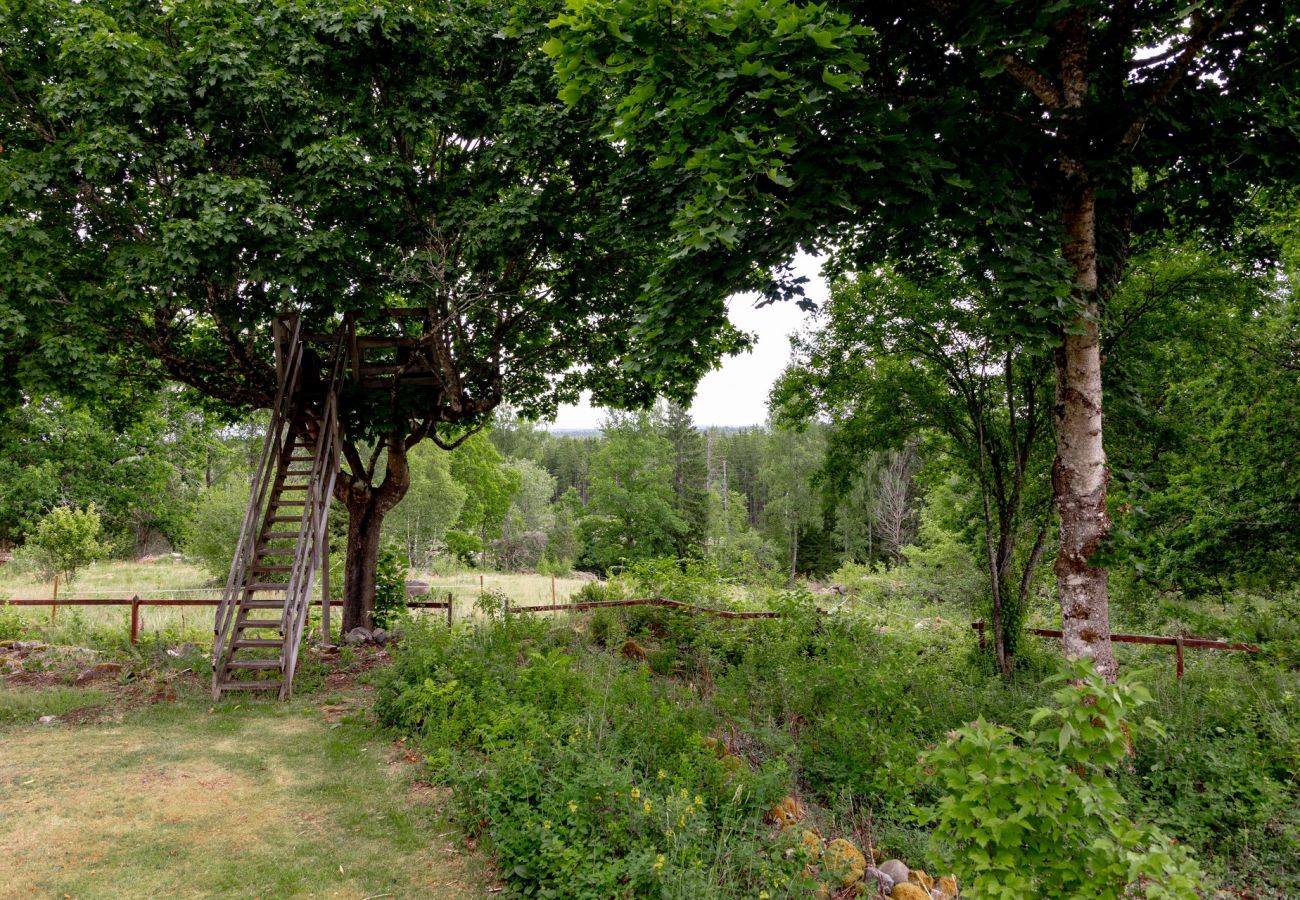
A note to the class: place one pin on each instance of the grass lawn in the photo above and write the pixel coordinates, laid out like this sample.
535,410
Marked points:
245,798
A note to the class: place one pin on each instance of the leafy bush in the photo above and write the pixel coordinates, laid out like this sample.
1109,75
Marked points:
1036,813
66,540
213,529
390,586
464,546
11,623
591,779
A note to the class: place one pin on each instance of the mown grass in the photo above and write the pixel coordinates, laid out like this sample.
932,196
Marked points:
245,798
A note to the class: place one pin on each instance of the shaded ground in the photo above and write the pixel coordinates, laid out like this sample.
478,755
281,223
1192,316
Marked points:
132,794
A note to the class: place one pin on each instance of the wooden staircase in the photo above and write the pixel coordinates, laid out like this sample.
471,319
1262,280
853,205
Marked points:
283,542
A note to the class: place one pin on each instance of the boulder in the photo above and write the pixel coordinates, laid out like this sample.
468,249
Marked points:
918,876
415,588
633,650
787,812
883,883
358,635
896,869
97,671
947,886
380,636
843,862
812,843
48,720
908,891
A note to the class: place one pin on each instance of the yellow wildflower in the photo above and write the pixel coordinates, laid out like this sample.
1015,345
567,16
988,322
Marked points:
547,825
662,774
659,862
647,807
573,806
636,793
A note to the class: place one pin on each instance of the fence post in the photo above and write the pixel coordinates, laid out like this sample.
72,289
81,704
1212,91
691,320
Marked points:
1178,649
449,604
135,618
54,607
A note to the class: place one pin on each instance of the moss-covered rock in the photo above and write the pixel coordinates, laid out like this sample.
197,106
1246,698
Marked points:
947,886
843,862
908,891
918,877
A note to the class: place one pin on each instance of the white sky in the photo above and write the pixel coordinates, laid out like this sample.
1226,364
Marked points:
736,393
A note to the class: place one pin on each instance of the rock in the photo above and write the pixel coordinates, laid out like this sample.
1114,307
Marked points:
918,876
415,588
843,862
908,891
812,843
633,650
47,720
787,812
896,869
380,636
358,635
884,884
97,671
947,886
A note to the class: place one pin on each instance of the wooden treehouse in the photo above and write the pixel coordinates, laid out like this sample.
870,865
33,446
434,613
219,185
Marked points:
282,553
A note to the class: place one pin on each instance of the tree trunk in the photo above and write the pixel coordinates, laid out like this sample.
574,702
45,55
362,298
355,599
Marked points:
367,505
1079,473
361,565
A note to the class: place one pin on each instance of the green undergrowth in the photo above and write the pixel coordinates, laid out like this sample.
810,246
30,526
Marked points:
596,768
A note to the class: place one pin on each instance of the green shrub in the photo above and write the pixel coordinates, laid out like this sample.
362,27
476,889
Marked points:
212,532
390,586
1036,813
11,623
464,546
66,540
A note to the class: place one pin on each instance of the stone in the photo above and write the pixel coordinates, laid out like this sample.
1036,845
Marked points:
843,862
97,671
416,588
918,876
47,720
947,886
633,650
896,869
380,636
884,884
787,812
358,635
908,891
812,843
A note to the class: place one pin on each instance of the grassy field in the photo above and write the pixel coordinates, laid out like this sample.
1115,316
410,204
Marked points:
168,577
182,798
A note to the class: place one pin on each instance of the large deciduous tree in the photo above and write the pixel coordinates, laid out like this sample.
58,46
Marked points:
1044,138
175,175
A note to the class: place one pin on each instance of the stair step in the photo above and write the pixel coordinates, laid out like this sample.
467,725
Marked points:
294,487
260,623
275,568
263,604
255,665
276,551
288,502
258,642
279,535
284,518
267,586
251,685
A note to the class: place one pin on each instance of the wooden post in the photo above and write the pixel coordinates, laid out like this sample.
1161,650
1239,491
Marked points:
1178,651
54,607
480,584
552,590
324,596
450,600
135,618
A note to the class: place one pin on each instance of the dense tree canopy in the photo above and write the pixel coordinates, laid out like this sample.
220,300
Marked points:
1041,140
